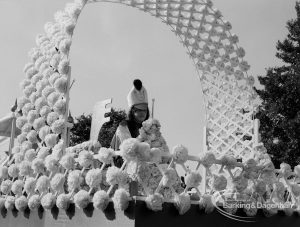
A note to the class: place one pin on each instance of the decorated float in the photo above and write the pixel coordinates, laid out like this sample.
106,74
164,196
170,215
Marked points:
46,182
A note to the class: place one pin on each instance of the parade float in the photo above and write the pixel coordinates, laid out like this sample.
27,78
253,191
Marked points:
46,182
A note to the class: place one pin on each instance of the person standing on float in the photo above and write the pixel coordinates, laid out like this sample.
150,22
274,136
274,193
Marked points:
138,112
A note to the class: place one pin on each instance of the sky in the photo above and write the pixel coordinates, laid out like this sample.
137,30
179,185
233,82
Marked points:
114,44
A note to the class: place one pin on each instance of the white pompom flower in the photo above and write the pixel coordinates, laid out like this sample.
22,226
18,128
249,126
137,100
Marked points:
115,176
25,168
93,178
57,182
55,61
26,145
63,201
61,84
22,137
9,202
40,102
17,187
24,83
121,199
60,106
182,203
180,154
48,201
19,157
45,110
169,177
57,150
105,155
44,131
67,161
30,155
42,184
13,171
21,101
51,140
27,127
63,66
16,149
21,121
58,126
53,98
29,185
82,199
52,117
74,180
206,203
155,201
34,202
6,186
51,163
32,115
21,203
128,148
64,45
47,91
85,159
54,77
101,200
193,179
38,166
43,152
219,182
39,123
26,108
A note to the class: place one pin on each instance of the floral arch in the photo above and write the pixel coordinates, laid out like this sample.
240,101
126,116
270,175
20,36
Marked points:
42,165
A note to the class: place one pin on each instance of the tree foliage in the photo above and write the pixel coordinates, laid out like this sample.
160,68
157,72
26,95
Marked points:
82,127
279,112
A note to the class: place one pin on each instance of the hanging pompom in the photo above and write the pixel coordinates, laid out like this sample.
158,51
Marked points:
19,157
51,163
26,128
193,180
25,168
154,202
42,184
93,178
101,200
6,186
53,78
57,182
52,98
63,67
67,161
207,159
206,203
21,203
74,180
43,152
9,202
219,183
16,149
105,155
51,140
38,166
52,117
63,201
26,108
30,155
115,176
32,115
45,110
39,123
48,201
64,46
182,203
61,85
121,199
128,148
58,126
85,159
34,202
44,131
60,107
29,185
82,199
169,177
17,187
13,171
57,150
21,138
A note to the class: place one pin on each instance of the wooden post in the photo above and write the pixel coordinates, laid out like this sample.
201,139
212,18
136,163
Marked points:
152,112
12,134
65,132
